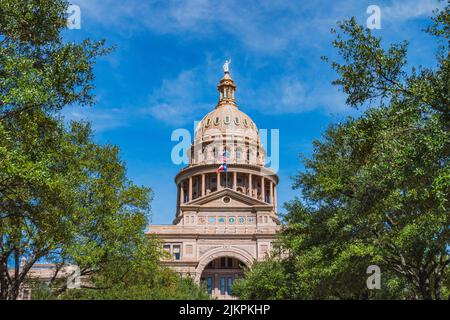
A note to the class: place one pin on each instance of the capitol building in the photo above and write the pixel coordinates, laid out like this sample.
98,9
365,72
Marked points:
226,212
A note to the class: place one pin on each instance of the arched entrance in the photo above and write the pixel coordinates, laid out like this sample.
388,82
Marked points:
220,274
219,269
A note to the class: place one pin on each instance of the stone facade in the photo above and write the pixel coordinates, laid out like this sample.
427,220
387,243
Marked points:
224,220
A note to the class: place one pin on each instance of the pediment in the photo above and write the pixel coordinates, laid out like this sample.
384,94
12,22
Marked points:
216,200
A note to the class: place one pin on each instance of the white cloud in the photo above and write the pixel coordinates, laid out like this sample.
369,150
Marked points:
263,26
101,119
291,95
177,100
181,99
401,11
293,30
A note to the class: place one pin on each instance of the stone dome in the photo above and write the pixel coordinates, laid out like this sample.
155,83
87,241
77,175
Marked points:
226,120
227,131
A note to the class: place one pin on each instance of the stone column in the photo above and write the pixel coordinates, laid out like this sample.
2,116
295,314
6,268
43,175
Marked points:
197,186
203,184
190,188
263,191
181,192
216,285
219,187
234,180
271,192
178,197
250,187
275,197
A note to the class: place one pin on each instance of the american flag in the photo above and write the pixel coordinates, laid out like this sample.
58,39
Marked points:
223,157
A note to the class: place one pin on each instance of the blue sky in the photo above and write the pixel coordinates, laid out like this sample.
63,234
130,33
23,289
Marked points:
164,72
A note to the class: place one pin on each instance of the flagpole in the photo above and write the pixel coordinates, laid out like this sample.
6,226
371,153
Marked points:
226,166
226,177
226,173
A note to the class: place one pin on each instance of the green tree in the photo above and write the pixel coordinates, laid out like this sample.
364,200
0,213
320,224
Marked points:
376,188
39,169
67,200
63,198
266,280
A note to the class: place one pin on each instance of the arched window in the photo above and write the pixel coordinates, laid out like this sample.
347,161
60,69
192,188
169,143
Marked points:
238,153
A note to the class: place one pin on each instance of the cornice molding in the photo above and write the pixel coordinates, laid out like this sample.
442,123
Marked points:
232,167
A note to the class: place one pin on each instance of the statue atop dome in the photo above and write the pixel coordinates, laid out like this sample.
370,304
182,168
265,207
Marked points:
226,65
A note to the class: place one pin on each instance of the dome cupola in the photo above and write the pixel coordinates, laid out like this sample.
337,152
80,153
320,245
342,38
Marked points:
226,87
227,128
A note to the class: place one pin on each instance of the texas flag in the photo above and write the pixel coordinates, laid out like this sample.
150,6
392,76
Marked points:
222,168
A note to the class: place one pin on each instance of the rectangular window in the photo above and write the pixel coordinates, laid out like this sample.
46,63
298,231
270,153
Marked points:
229,285
222,285
173,249
209,284
26,294
176,252
166,248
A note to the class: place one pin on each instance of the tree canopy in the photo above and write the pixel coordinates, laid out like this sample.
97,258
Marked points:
63,198
376,189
